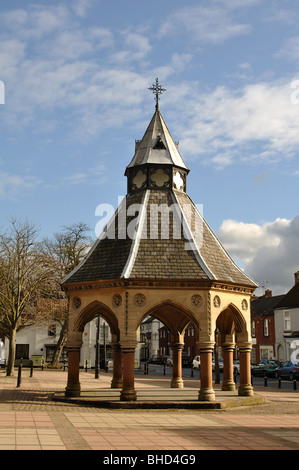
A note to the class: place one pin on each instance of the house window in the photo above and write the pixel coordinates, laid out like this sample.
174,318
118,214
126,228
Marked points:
22,351
52,330
266,327
287,320
253,328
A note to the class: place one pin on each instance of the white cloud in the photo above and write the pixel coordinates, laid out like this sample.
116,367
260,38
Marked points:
268,252
13,186
225,124
213,23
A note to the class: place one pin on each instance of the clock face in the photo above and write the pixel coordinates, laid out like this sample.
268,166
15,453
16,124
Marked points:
179,181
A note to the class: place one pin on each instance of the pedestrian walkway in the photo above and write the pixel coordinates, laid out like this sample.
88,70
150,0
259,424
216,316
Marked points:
30,419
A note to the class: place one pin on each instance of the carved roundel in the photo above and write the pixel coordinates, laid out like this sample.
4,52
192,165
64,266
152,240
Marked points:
77,302
244,304
117,300
139,300
196,300
216,301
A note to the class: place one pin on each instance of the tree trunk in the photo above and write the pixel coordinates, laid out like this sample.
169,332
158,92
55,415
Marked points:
60,343
11,353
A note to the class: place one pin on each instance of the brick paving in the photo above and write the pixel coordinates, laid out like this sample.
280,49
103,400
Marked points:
31,420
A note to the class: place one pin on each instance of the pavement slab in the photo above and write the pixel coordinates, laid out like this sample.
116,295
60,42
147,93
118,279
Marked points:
31,420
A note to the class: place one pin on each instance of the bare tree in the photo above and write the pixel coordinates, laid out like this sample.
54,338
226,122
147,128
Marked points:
26,274
67,249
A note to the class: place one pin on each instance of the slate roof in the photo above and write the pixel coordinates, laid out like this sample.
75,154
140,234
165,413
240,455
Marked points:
157,146
291,299
264,306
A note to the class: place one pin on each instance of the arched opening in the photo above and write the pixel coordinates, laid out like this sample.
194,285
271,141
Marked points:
96,354
231,330
175,320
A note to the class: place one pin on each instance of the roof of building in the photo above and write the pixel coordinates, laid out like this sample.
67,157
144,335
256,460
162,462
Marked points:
291,298
149,246
264,306
157,146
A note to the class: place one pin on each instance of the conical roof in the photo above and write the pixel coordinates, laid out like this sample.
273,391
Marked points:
157,232
157,146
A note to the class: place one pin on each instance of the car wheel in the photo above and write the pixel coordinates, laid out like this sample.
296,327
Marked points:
291,375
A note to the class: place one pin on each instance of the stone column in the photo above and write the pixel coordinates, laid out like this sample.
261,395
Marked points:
73,387
206,392
128,392
245,387
177,381
228,369
117,380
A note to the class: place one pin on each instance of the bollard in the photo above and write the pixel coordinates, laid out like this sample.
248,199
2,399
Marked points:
265,381
279,382
144,372
19,374
31,369
294,384
164,372
191,372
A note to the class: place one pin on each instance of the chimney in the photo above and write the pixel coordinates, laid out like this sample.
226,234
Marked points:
296,275
268,293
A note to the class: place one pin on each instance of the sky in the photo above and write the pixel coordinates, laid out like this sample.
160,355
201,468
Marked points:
74,79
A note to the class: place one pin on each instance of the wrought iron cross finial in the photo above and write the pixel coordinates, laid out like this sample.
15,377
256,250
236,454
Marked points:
157,90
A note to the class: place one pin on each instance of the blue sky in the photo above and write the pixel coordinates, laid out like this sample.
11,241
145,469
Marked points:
76,76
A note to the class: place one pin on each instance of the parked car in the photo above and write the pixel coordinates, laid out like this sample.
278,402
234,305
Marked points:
236,365
196,362
288,369
220,363
164,359
169,361
154,359
266,366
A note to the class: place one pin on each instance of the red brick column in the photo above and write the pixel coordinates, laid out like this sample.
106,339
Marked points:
128,392
117,380
206,392
177,381
228,369
73,384
245,387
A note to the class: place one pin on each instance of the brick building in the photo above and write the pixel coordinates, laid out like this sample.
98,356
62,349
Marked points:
263,326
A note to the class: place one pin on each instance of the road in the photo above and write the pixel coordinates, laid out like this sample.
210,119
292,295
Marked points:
188,372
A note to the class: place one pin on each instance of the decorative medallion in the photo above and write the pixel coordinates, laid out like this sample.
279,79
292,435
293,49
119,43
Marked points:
196,300
216,301
139,299
244,304
77,302
117,300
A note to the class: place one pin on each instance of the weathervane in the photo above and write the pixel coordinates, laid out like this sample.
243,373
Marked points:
157,90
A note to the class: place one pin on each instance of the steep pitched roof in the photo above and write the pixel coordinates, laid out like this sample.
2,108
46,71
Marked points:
157,146
291,299
264,306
